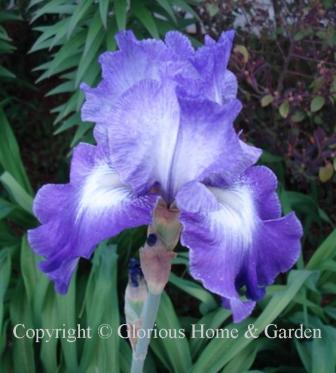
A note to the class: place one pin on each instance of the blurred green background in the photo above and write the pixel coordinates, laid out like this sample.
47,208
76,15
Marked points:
285,59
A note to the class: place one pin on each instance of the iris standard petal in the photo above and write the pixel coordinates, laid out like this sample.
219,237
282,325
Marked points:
135,61
158,138
211,60
94,206
180,45
237,238
198,74
143,137
206,74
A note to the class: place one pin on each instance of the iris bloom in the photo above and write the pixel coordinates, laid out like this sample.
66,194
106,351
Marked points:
164,117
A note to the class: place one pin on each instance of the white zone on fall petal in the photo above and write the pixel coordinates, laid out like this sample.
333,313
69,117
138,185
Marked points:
102,190
236,219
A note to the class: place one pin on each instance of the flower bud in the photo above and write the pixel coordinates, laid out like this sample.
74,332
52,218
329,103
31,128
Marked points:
166,224
135,297
156,263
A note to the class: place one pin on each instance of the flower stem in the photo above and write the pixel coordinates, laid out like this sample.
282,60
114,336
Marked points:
149,313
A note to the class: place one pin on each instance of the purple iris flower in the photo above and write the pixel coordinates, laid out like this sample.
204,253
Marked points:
164,117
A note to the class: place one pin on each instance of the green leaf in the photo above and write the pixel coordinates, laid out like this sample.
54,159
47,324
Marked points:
23,349
5,73
146,18
73,120
302,203
212,320
66,309
323,355
6,236
284,109
212,9
60,36
87,60
298,116
49,320
326,172
69,49
28,268
318,355
48,32
67,63
266,100
81,9
46,44
197,291
9,15
62,88
176,350
5,272
33,3
68,107
168,8
244,360
120,9
80,132
5,208
330,311
317,103
103,11
18,194
91,78
10,158
56,7
6,47
241,49
101,307
42,285
110,36
94,30
327,250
